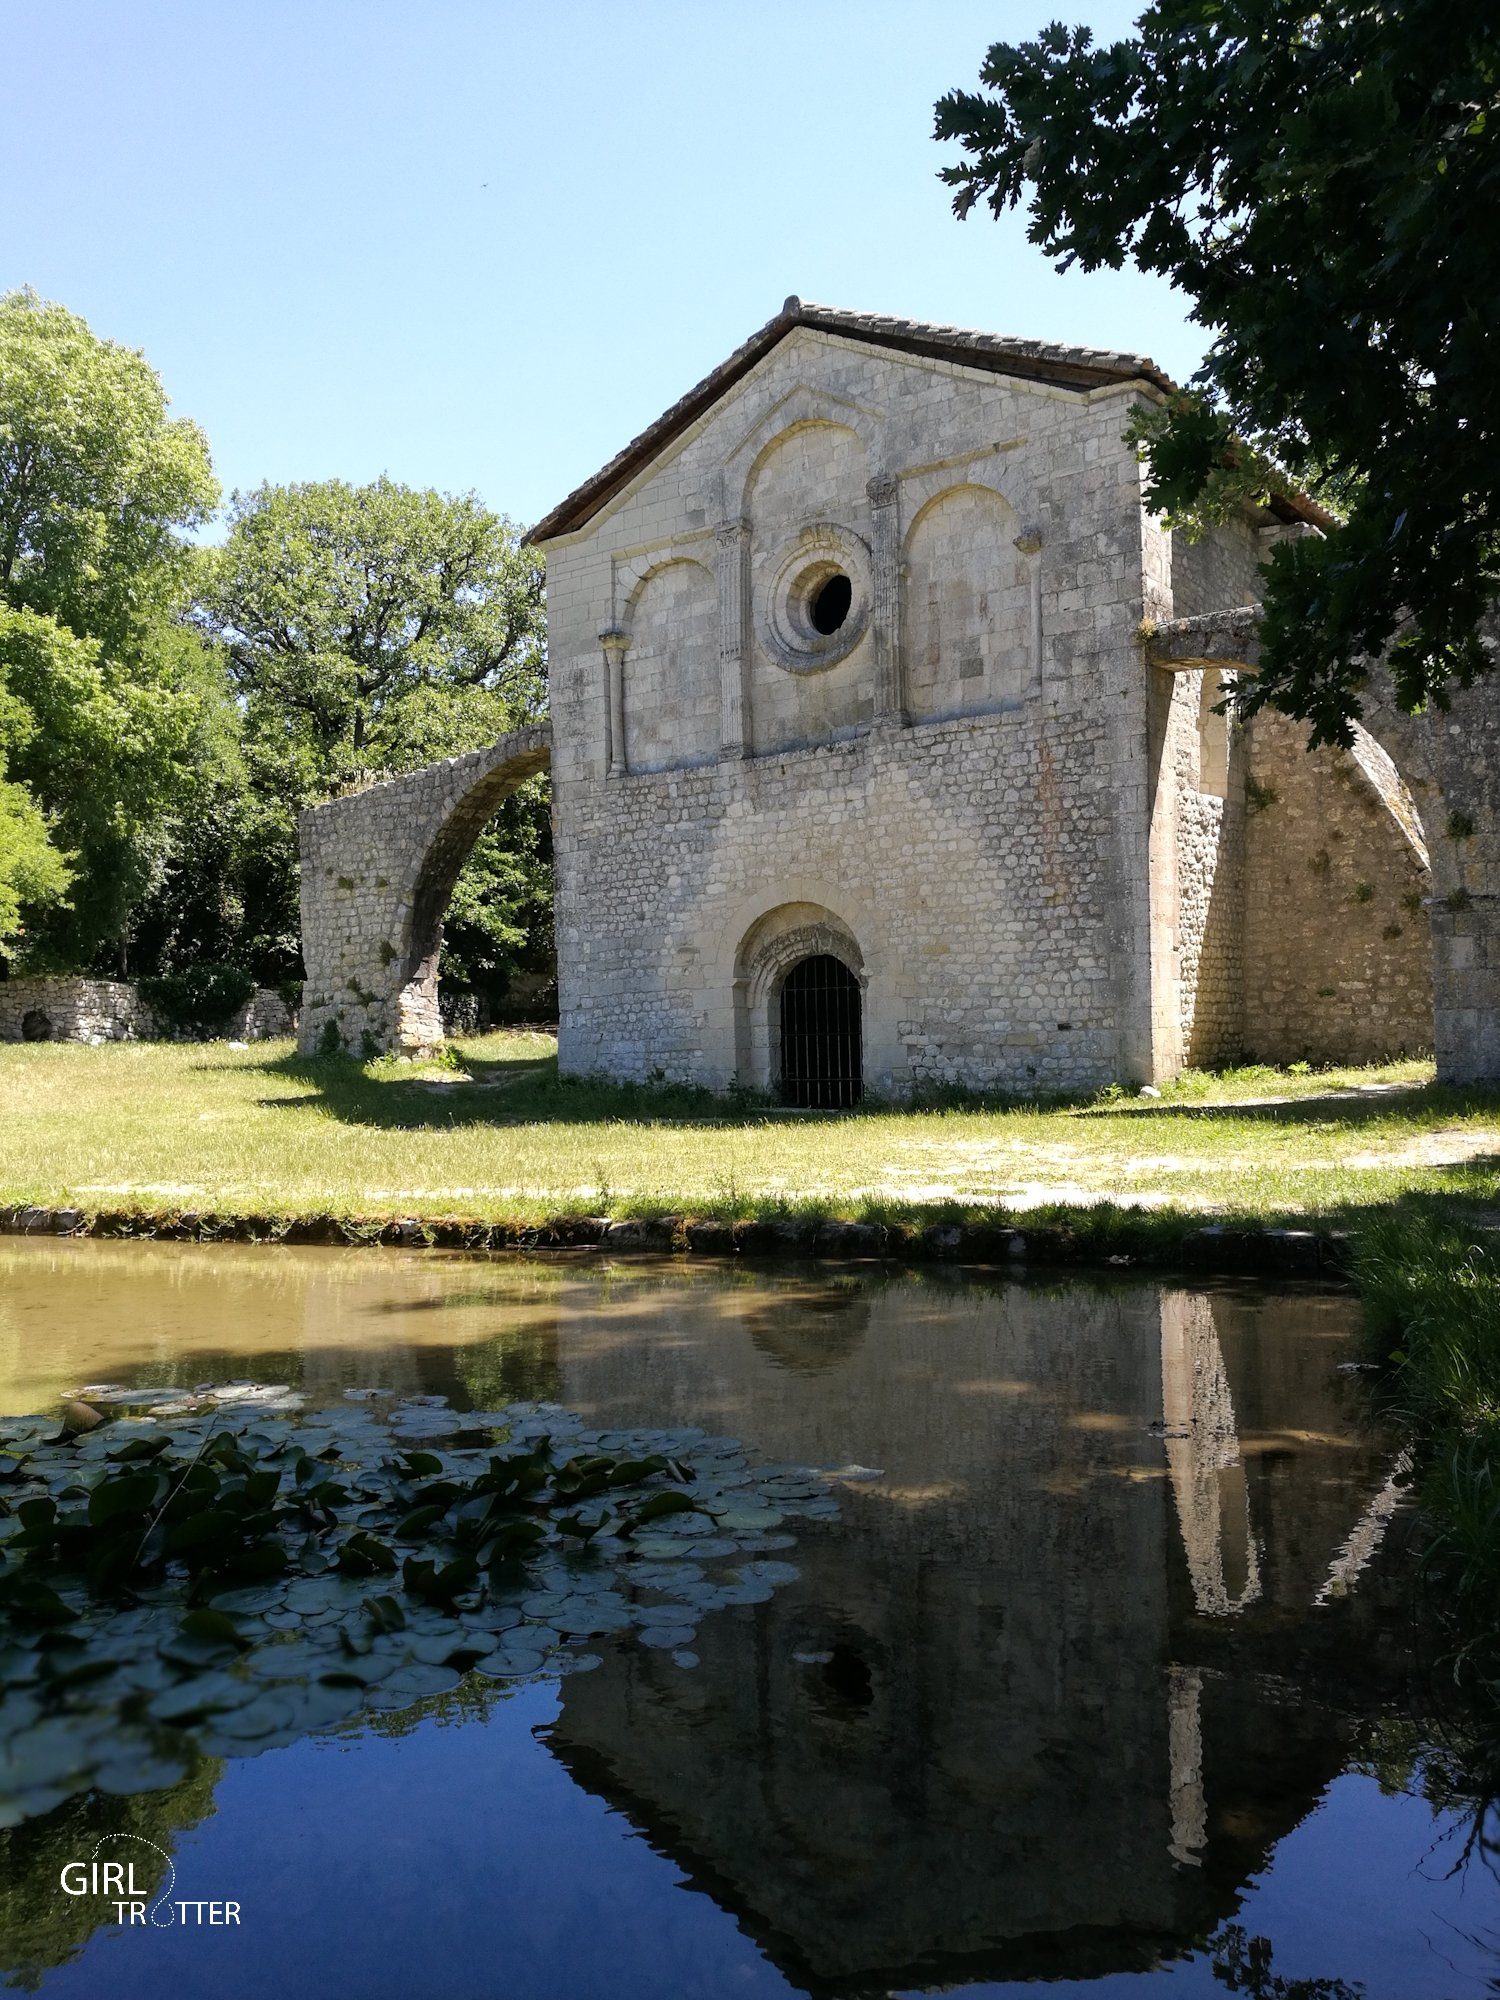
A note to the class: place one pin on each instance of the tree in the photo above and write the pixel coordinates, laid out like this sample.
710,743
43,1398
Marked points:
1322,181
123,707
371,630
344,603
32,871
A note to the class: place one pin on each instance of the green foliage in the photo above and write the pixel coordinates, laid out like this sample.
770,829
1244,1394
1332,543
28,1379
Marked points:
121,709
345,605
96,481
1321,181
153,773
1431,1293
43,1929
119,750
200,998
32,872
372,630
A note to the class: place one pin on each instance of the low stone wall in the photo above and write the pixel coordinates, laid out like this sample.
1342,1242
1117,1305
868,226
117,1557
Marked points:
265,1017
113,1010
72,1010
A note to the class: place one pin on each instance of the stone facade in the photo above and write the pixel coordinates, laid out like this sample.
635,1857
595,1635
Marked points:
847,662
113,1010
943,786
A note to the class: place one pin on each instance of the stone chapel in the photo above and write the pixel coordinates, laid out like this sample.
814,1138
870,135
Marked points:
889,751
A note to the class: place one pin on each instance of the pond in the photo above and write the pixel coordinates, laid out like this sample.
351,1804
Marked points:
1103,1675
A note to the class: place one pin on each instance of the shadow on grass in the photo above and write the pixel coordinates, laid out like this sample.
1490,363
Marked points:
510,1090
1367,1106
527,1090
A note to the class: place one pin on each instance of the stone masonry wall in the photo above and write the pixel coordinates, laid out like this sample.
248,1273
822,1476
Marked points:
1211,964
377,870
72,1010
1338,946
989,864
113,1010
951,855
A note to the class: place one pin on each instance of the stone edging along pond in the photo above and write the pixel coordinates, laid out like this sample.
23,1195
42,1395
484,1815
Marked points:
1211,1247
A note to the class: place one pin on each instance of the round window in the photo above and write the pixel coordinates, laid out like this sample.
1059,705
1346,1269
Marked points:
830,603
816,603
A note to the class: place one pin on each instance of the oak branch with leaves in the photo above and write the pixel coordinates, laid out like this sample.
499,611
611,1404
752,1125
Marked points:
1323,182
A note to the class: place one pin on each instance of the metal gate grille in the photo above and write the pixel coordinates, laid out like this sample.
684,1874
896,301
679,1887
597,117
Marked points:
820,1035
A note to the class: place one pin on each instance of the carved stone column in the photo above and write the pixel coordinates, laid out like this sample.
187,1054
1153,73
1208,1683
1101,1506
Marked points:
885,624
616,644
732,565
1029,544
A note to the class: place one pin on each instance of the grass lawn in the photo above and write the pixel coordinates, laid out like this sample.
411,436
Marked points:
495,1134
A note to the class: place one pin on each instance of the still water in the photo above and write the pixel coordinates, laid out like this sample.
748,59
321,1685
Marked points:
1106,1675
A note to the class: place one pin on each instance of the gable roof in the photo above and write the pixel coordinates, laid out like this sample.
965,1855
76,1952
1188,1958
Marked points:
1031,360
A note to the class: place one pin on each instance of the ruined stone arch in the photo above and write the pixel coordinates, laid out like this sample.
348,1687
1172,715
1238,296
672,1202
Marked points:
378,869
1434,774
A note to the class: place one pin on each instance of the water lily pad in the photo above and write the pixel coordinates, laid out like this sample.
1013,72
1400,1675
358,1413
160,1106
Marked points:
419,1678
259,1717
359,1560
667,1637
204,1694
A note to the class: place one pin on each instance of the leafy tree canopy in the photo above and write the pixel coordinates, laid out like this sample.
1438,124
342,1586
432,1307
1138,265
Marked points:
115,708
1323,181
96,480
369,630
346,603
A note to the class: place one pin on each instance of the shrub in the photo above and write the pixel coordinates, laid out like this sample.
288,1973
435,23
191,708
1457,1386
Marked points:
200,1000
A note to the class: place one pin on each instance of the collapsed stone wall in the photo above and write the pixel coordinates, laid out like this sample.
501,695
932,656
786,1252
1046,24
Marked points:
72,1010
1338,940
114,1010
377,869
1302,892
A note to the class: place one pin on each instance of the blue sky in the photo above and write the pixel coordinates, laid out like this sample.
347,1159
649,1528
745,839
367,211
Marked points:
479,245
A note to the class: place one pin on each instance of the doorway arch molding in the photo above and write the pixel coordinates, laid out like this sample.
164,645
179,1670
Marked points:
781,937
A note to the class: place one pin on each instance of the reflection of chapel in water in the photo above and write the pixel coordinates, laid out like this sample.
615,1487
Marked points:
1019,1714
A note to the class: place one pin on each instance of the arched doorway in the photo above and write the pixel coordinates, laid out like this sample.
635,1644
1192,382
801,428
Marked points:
822,1067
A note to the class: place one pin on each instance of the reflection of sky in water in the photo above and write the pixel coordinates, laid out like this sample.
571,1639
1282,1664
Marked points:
1052,1700
463,1862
